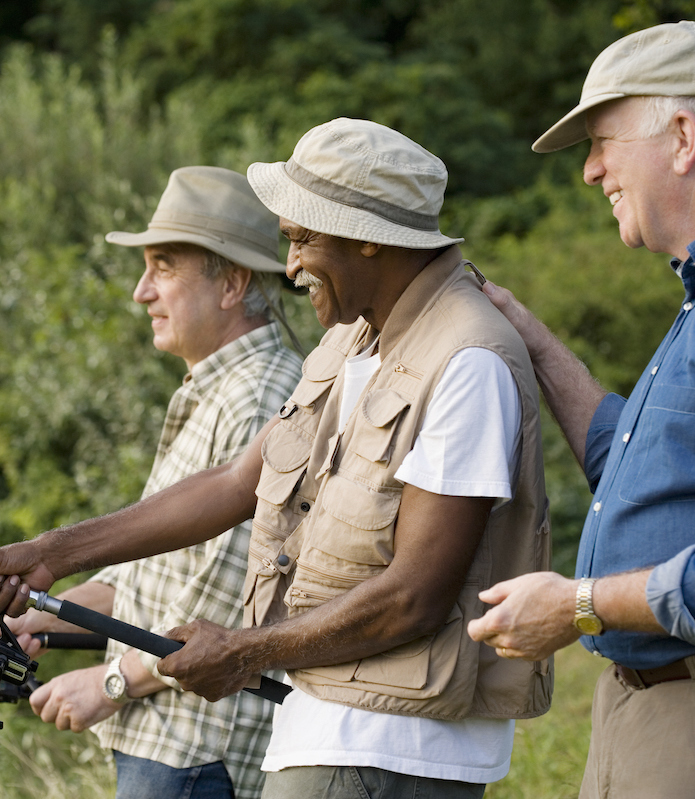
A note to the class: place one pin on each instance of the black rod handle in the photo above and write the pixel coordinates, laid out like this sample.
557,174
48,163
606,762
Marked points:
136,637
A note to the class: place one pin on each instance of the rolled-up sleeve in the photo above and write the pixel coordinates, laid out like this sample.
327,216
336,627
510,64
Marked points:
671,595
600,436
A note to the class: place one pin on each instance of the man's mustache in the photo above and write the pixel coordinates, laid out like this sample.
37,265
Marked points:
304,279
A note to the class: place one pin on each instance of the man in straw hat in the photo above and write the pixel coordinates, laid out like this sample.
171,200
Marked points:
403,473
210,281
634,599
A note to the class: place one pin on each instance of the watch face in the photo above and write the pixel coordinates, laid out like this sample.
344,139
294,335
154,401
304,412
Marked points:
114,685
589,625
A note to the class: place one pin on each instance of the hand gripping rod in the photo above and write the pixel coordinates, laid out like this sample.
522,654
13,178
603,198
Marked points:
134,636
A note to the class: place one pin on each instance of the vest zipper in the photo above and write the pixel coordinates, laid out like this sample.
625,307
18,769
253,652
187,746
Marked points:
401,368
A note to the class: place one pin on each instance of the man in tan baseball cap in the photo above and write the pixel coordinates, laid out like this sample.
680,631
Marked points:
211,281
372,495
634,597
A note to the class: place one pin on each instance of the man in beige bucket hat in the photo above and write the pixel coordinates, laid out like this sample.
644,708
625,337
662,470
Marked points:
372,494
211,275
634,598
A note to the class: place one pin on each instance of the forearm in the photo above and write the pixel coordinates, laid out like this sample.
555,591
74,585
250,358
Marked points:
194,510
369,619
620,601
570,391
435,542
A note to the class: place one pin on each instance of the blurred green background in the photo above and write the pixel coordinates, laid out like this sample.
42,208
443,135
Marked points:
101,99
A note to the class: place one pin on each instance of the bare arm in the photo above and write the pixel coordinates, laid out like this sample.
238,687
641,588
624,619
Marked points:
569,389
533,615
436,539
189,512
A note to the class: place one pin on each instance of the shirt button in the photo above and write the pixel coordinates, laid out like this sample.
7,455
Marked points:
655,369
687,306
626,437
597,507
305,506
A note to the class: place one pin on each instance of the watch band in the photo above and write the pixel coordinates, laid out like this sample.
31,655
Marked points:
585,619
115,686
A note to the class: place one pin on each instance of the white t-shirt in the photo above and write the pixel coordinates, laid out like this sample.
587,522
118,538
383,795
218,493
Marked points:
468,446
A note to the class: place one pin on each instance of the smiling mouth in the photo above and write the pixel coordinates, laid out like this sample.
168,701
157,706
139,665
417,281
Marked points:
615,196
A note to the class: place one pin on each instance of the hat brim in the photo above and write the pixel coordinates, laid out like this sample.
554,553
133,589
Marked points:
286,198
243,256
571,129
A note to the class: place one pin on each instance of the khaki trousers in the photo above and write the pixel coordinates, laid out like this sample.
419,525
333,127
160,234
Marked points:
347,782
642,741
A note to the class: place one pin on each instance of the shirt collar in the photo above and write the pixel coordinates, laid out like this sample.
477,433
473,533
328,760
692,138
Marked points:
686,271
206,374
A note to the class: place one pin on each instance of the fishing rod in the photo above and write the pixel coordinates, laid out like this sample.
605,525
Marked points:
133,636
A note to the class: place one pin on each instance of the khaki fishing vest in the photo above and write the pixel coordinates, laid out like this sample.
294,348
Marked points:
327,506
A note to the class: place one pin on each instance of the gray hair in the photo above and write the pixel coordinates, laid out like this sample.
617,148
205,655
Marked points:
658,111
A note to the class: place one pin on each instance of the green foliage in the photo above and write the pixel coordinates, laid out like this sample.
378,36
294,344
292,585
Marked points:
638,14
81,388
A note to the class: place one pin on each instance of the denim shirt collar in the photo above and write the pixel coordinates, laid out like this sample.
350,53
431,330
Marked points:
686,271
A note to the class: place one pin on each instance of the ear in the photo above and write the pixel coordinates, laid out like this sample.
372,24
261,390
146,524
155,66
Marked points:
234,287
368,250
684,157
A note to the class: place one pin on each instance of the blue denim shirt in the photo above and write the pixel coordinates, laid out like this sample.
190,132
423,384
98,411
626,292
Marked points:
640,462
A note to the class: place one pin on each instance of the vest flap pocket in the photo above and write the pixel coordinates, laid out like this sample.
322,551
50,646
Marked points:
277,487
381,410
322,364
307,392
381,407
285,449
424,665
405,666
358,504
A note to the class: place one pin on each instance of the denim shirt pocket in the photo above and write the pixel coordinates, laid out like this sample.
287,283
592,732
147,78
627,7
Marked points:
658,460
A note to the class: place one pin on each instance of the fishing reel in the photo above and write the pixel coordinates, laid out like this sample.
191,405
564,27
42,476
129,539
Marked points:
16,668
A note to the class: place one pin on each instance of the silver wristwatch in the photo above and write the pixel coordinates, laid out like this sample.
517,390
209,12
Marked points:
115,686
585,620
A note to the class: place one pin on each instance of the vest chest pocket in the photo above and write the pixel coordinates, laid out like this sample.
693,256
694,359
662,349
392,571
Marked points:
285,455
381,412
359,529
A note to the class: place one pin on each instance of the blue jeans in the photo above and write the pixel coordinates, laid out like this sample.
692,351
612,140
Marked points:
139,778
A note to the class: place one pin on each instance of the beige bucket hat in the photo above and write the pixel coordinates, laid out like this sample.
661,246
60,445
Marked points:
658,61
216,209
358,180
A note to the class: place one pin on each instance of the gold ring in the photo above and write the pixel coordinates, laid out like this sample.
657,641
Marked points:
504,651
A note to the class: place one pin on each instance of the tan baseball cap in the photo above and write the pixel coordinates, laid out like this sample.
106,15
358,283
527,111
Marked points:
359,180
216,209
658,61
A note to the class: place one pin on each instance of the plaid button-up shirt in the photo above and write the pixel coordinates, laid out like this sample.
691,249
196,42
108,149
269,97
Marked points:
211,419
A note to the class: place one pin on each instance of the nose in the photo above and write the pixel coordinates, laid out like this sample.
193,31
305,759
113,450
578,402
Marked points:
145,291
593,166
293,264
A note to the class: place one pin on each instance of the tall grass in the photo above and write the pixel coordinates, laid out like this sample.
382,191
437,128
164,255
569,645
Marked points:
38,762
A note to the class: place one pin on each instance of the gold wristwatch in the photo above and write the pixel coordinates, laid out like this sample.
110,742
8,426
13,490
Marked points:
115,686
585,620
